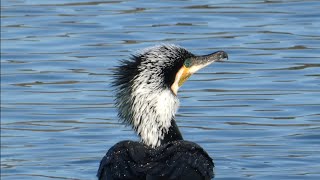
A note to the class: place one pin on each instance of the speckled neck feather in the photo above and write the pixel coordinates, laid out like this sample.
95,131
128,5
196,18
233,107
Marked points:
144,98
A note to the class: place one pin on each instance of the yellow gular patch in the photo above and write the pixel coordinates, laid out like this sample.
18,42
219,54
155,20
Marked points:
185,75
182,75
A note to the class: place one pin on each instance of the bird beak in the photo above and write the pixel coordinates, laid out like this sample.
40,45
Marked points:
194,64
198,62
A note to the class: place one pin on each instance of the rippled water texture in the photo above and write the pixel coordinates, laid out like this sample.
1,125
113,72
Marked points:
257,115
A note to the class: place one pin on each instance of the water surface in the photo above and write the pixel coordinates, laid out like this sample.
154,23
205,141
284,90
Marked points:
257,114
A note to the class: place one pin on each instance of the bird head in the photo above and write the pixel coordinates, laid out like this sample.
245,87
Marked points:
147,85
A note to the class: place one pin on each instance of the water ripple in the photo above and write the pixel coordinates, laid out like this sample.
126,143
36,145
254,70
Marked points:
256,114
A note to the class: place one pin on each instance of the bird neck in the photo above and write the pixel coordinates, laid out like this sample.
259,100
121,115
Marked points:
153,111
173,134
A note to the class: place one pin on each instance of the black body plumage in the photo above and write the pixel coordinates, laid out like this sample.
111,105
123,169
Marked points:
146,101
174,160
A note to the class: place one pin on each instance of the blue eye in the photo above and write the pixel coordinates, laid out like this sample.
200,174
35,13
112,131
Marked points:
187,63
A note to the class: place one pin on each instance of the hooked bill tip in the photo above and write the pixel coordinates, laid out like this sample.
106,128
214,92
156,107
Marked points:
222,55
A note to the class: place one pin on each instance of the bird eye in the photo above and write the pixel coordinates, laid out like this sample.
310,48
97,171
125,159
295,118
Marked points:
187,63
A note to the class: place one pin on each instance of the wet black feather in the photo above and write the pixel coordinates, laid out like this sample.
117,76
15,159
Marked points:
173,160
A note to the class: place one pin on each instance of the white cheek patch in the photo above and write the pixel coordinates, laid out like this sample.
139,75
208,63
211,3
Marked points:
175,85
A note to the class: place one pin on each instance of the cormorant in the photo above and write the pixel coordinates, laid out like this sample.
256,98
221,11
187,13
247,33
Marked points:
146,96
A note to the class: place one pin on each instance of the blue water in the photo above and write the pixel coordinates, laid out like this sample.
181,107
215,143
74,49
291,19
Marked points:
257,115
